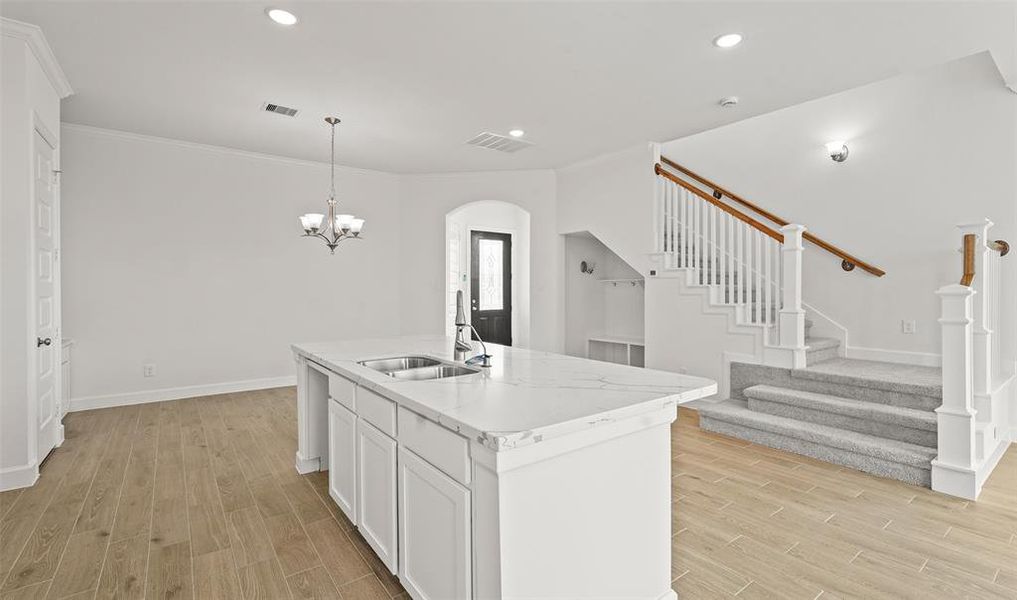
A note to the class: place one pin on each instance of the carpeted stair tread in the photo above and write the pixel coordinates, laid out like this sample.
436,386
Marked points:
892,377
884,449
896,415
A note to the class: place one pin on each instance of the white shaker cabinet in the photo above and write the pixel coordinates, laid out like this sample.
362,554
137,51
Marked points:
434,531
342,458
376,489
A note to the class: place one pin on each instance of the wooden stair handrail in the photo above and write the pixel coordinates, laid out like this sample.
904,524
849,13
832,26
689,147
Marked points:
659,170
848,262
969,260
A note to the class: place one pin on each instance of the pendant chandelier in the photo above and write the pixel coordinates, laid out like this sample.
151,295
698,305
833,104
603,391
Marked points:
331,228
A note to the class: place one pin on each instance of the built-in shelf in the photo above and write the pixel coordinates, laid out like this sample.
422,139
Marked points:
621,349
615,282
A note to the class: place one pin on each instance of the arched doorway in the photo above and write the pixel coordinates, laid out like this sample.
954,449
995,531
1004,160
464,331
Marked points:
495,230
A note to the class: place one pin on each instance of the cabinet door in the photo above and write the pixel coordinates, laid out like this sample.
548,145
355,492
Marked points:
434,532
376,492
342,458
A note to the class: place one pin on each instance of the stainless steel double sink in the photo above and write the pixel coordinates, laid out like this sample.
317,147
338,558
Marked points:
417,368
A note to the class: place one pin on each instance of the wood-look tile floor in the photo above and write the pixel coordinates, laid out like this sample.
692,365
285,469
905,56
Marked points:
199,498
753,522
193,498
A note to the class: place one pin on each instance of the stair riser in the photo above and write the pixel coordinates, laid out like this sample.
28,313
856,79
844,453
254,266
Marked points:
815,356
745,375
876,466
868,426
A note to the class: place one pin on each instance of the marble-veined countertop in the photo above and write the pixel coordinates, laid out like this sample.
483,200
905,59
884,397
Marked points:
526,396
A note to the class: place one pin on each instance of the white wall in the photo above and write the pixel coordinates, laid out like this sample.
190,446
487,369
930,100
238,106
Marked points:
190,257
928,150
426,199
595,307
500,217
26,94
612,197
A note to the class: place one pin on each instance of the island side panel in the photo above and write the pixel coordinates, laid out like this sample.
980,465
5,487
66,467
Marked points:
592,522
312,417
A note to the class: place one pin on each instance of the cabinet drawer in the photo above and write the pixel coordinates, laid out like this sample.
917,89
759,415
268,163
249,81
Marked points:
441,447
342,391
377,410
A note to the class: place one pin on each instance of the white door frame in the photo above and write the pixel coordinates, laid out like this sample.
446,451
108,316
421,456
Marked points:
33,412
513,264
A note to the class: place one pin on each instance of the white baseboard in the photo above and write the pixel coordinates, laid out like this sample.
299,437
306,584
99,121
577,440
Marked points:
901,357
22,476
989,465
90,402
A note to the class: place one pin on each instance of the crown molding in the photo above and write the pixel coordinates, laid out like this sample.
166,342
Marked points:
32,35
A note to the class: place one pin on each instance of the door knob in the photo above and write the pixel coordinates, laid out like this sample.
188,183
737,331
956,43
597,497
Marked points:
43,342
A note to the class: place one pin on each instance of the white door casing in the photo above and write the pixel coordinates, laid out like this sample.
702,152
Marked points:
45,282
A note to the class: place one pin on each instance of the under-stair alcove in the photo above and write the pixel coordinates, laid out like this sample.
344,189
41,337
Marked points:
604,299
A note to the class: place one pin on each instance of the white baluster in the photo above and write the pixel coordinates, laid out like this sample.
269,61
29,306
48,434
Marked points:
746,262
686,229
768,259
697,237
730,261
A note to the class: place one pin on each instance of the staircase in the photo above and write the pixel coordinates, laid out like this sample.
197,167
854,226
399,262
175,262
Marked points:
799,394
872,416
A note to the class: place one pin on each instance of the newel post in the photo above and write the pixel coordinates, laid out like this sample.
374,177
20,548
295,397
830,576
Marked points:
792,314
953,470
981,334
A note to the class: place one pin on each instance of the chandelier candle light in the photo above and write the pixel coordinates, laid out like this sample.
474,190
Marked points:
338,227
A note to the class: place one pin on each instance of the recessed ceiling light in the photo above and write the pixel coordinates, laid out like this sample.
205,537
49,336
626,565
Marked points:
728,40
282,17
517,133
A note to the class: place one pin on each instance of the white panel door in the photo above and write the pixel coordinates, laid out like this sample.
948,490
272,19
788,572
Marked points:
376,492
434,532
47,343
342,458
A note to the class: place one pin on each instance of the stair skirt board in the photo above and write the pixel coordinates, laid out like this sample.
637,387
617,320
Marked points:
880,420
744,375
876,466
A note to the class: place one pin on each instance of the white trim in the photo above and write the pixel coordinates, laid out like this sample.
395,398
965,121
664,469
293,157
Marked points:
902,357
32,36
140,137
989,465
22,476
828,327
191,391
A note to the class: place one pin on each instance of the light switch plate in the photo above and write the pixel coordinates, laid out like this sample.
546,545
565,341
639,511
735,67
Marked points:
907,326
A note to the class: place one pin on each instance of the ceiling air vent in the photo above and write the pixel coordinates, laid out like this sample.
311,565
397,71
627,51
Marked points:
497,142
282,110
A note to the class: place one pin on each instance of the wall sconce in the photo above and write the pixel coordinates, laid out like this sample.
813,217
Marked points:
587,267
838,150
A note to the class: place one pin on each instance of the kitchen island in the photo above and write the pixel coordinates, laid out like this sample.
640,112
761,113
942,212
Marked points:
543,476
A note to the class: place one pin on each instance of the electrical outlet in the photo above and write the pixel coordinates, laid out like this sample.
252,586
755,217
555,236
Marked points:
907,326
149,370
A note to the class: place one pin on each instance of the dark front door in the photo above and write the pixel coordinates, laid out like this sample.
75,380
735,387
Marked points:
491,286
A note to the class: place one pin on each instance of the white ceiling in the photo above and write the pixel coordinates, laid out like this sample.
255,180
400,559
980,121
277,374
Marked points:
413,81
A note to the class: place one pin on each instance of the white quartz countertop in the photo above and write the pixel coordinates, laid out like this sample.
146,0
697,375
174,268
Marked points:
525,396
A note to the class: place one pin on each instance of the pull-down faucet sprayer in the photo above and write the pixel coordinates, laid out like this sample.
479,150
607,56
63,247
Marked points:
462,346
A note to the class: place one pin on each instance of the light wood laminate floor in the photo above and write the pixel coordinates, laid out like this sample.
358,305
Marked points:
753,522
199,498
